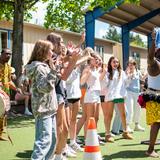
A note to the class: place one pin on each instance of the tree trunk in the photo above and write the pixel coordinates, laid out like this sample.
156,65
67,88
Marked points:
17,50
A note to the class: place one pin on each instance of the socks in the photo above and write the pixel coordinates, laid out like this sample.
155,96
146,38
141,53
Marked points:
72,141
58,156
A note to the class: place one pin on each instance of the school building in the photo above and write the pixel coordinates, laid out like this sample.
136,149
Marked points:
32,33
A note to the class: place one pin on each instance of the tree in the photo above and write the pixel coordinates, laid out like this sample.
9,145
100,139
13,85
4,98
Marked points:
137,40
112,34
17,10
68,14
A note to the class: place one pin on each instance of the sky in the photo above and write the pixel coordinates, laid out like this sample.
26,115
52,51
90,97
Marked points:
100,27
38,18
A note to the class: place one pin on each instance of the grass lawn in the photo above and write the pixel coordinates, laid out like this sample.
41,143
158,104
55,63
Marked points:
21,130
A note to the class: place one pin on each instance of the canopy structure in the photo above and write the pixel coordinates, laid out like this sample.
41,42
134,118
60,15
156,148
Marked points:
140,18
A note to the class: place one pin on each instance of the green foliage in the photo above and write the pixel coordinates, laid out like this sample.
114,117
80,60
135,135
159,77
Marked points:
65,14
112,34
69,14
137,40
7,9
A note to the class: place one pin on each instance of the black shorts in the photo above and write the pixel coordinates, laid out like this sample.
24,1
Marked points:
102,98
72,101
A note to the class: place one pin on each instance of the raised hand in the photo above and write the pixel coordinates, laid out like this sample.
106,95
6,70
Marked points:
71,46
51,64
153,34
105,67
82,37
75,54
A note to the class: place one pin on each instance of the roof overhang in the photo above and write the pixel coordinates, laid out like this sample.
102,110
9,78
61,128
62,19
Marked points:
126,13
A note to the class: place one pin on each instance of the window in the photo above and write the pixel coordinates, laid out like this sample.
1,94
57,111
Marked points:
99,49
3,39
136,57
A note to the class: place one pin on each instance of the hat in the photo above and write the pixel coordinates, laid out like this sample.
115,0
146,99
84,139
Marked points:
12,70
157,38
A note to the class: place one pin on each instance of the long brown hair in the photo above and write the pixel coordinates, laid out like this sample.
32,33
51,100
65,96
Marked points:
54,38
110,70
40,51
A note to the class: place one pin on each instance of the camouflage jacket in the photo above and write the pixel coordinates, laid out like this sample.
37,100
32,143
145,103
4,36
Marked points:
43,95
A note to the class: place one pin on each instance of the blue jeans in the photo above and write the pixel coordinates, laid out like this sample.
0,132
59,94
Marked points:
45,138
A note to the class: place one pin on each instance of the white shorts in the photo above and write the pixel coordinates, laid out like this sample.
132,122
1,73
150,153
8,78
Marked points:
92,97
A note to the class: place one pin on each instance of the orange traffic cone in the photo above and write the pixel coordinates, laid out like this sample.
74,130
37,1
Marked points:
92,149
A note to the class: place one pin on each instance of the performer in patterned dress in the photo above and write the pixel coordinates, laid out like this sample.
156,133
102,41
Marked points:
152,95
5,83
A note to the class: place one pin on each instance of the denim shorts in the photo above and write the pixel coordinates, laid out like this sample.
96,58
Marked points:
61,99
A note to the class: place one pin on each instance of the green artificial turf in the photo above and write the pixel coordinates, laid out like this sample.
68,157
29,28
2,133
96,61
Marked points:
21,130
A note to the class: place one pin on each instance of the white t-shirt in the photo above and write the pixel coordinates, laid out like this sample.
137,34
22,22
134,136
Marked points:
93,82
73,85
116,88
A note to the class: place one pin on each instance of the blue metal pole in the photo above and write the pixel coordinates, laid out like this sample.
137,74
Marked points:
149,41
98,11
137,22
90,29
125,45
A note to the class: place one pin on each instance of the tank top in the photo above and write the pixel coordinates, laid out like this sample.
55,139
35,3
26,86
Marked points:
154,82
93,82
134,85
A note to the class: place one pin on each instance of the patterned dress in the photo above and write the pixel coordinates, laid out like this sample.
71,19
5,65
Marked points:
152,112
153,102
5,77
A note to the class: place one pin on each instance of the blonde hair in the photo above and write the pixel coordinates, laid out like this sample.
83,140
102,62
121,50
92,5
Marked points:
132,61
40,51
87,51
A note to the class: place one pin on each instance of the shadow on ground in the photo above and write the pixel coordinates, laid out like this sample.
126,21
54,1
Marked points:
126,154
135,144
20,122
24,155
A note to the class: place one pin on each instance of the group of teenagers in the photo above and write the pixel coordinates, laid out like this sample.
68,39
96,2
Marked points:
65,77
58,74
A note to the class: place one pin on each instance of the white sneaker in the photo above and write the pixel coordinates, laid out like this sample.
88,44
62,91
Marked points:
71,150
139,128
101,140
129,129
27,112
68,152
76,147
112,135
